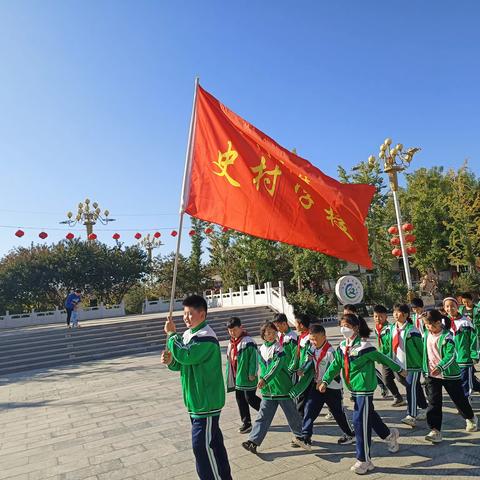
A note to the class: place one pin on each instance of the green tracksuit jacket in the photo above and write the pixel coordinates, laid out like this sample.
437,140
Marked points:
274,371
247,366
362,355
448,365
466,342
473,315
288,341
196,355
412,357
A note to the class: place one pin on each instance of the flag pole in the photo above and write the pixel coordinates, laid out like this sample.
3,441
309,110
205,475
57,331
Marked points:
185,185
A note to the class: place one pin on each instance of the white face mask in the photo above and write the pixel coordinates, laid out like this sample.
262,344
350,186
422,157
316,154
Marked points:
347,332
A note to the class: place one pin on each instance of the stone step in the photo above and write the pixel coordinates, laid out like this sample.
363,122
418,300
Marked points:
75,340
86,334
58,346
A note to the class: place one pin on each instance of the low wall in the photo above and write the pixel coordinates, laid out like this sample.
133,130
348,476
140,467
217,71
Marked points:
60,316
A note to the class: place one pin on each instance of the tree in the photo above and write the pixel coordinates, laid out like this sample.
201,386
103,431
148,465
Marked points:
462,205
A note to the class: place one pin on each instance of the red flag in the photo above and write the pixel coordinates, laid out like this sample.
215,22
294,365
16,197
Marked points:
242,179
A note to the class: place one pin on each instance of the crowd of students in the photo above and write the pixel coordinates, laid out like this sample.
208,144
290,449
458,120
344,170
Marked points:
301,372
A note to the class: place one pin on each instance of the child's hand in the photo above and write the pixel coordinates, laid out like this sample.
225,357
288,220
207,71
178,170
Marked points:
261,384
169,326
166,357
300,373
252,377
403,373
436,371
322,387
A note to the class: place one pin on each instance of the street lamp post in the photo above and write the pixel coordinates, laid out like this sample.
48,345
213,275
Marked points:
88,214
396,160
149,243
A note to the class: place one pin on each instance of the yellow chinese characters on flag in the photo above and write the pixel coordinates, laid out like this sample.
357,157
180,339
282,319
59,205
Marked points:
242,179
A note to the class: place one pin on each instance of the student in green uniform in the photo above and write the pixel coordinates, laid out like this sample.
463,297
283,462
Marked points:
287,337
418,310
196,355
382,332
466,347
355,358
300,355
403,344
470,310
442,371
275,383
241,374
316,363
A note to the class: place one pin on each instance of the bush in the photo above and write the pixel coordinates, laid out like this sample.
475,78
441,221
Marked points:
305,301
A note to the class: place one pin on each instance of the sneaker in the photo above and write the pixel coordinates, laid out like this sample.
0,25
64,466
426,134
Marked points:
472,425
346,440
361,468
245,429
421,414
384,392
250,446
399,402
329,416
294,444
409,420
392,441
434,436
300,442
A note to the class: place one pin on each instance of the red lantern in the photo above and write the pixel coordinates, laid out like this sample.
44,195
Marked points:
116,236
410,238
225,229
43,235
70,236
19,233
138,236
191,233
174,233
208,230
393,230
412,250
397,252
92,236
157,234
395,241
407,227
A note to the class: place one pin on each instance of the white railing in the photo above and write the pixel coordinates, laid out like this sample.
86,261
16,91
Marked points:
60,316
246,296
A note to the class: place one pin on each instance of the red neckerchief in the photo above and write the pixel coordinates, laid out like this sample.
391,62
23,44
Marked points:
452,324
378,329
321,356
234,342
300,338
346,361
396,339
281,338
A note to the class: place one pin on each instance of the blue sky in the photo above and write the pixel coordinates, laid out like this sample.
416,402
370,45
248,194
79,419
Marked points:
95,95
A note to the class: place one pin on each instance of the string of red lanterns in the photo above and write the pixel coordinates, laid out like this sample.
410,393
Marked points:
116,236
408,237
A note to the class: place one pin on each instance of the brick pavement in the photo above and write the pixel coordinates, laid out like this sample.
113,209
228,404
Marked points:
124,419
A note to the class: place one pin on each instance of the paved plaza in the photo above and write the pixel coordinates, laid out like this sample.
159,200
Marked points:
125,419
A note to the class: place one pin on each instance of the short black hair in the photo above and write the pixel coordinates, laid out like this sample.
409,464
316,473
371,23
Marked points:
303,318
467,295
317,328
349,306
433,316
197,302
280,317
265,326
77,290
402,307
233,322
380,309
417,302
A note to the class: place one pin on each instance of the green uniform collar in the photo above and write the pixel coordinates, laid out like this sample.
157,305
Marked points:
198,327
